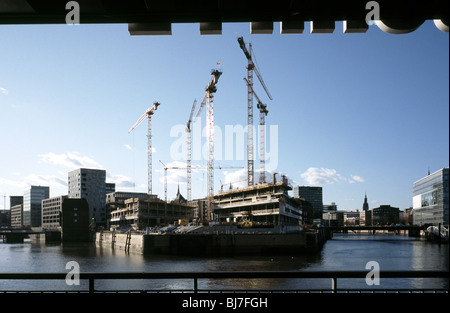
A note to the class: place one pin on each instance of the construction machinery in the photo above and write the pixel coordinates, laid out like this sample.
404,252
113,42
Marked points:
189,151
148,115
250,69
208,99
262,136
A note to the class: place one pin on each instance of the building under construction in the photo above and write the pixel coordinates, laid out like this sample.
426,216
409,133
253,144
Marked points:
139,213
264,204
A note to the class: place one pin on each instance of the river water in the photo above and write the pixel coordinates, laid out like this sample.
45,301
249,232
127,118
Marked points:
343,252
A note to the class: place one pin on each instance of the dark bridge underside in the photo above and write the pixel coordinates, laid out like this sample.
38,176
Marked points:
218,11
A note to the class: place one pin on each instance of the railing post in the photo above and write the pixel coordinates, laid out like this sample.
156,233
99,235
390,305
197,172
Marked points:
91,285
333,284
195,285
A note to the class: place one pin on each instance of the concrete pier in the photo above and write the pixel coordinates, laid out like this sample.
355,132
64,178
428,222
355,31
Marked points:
212,244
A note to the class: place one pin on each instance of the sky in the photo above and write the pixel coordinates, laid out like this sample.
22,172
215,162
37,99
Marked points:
353,113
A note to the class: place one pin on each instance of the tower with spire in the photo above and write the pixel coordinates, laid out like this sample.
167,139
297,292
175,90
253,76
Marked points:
365,204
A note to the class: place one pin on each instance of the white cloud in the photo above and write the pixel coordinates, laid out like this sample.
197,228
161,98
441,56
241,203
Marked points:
324,176
4,91
12,183
358,179
320,176
128,147
238,178
70,159
44,180
120,180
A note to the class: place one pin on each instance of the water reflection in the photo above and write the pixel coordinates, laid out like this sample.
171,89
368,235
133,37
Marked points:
343,252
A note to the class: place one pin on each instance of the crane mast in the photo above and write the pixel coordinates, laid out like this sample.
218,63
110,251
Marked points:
148,114
189,153
210,91
208,100
262,136
250,69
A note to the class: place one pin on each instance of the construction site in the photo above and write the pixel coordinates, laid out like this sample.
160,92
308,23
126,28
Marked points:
260,208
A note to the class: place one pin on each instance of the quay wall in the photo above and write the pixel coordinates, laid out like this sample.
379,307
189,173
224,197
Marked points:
211,244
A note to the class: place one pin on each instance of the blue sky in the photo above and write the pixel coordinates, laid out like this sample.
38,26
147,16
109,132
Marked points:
353,113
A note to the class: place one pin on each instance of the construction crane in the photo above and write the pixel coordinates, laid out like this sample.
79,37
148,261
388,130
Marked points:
189,151
148,114
208,99
262,136
183,168
250,69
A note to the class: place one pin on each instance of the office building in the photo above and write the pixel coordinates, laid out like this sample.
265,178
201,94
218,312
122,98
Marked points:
16,216
51,212
90,184
15,200
32,204
431,199
13,217
314,196
385,215
110,188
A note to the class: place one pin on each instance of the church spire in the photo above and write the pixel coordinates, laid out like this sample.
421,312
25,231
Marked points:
365,205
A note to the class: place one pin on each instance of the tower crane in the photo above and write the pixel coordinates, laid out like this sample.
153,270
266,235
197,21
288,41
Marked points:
250,69
262,136
208,99
189,150
148,114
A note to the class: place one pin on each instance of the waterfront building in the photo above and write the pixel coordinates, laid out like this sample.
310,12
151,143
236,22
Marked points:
90,184
51,212
262,203
431,199
352,218
116,200
15,200
16,212
75,220
110,188
5,218
314,196
333,218
385,215
32,205
140,213
69,216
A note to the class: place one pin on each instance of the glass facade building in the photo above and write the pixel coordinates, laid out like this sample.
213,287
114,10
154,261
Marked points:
314,196
32,204
431,199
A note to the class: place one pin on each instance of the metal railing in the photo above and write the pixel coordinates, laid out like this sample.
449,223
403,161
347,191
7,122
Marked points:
196,276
